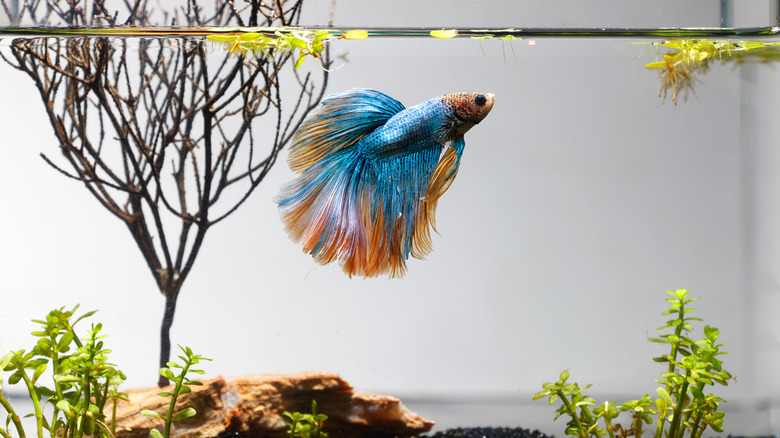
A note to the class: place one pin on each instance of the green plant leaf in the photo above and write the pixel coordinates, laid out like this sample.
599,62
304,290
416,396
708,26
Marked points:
15,377
38,371
64,343
6,360
155,433
64,406
153,414
33,364
664,395
167,373
45,391
186,413
298,43
711,333
299,61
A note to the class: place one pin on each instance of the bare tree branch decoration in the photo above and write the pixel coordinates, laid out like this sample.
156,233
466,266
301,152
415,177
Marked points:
166,136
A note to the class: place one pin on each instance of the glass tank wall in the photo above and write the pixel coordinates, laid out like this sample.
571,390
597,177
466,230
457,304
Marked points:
586,193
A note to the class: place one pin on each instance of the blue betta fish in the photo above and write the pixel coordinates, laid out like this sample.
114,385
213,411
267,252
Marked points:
370,175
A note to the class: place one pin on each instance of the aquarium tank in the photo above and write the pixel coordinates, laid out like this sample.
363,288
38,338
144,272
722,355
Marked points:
256,183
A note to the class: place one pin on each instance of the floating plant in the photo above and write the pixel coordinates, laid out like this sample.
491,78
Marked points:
305,42
689,56
274,42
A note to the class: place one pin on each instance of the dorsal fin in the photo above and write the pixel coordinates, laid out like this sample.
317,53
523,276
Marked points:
339,122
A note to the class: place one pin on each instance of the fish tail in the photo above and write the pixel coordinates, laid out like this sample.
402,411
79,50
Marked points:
331,208
321,210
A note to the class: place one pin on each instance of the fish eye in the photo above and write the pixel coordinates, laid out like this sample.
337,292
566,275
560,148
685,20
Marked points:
480,100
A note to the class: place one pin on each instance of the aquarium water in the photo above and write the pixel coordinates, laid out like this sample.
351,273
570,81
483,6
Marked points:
594,185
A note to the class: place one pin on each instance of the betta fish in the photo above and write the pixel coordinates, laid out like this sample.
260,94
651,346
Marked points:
370,173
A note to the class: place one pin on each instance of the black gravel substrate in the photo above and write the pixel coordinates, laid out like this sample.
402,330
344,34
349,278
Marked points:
488,432
481,432
508,432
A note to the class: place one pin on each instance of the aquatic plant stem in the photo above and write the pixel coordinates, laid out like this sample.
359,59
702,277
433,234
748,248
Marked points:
676,421
611,433
700,387
695,432
672,365
659,430
113,417
174,396
573,414
55,364
676,345
36,404
14,418
87,398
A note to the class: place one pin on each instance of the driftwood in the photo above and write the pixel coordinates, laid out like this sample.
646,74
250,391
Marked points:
252,406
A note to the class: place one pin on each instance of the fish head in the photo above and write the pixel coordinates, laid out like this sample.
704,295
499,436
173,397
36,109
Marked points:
467,110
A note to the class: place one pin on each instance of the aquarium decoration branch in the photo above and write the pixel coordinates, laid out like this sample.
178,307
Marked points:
682,407
169,139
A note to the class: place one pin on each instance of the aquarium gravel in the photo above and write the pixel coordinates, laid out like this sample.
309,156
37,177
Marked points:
489,432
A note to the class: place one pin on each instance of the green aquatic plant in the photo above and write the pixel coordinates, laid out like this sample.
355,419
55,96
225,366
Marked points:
181,386
301,42
693,55
301,425
83,382
682,405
